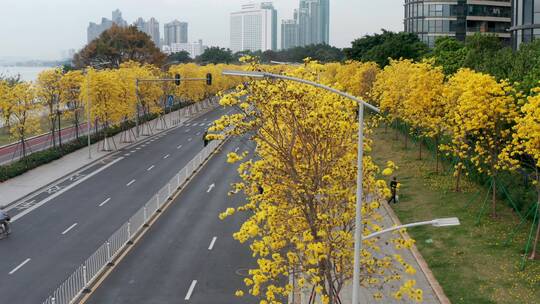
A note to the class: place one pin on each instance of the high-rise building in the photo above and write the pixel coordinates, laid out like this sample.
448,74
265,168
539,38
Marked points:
117,18
457,19
254,28
289,34
194,49
525,21
175,32
314,22
94,30
151,28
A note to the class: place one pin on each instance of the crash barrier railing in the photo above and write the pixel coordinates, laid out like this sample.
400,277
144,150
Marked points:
80,281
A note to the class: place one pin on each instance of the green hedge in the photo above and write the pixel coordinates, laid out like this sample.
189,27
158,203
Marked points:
39,158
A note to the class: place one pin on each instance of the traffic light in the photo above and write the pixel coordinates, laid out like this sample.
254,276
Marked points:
209,79
177,79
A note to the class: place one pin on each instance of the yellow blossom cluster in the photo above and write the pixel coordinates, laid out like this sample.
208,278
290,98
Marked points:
300,184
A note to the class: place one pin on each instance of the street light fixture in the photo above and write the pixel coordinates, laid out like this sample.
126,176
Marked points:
443,222
360,156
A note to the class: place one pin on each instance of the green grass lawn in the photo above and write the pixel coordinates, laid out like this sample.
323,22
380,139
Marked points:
471,261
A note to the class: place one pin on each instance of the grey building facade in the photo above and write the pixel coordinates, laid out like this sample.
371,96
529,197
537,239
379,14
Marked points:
151,28
525,21
289,34
175,32
459,18
94,30
313,22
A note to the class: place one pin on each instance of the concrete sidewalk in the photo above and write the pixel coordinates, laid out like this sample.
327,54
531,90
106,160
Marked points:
432,292
21,187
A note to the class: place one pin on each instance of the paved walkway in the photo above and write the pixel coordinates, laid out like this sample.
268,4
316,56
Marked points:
432,293
24,185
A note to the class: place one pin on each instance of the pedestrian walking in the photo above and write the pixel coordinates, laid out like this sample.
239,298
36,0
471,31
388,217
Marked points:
393,187
204,138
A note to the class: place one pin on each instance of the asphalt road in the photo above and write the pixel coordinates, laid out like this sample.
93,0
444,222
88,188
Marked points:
50,241
188,255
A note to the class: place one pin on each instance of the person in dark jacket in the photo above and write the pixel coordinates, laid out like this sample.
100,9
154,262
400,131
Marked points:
4,221
393,187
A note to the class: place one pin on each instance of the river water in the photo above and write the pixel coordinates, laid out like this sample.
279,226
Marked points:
27,73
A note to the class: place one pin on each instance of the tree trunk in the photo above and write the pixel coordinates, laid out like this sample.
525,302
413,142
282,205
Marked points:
494,198
419,148
76,125
535,243
53,129
458,178
437,154
406,138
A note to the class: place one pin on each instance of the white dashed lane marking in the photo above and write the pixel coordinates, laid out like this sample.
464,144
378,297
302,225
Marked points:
69,228
104,202
190,291
212,243
19,266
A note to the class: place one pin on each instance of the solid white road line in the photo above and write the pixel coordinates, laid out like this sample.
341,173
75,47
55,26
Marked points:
190,290
166,156
180,146
19,267
130,183
210,188
18,216
104,202
212,243
150,168
69,228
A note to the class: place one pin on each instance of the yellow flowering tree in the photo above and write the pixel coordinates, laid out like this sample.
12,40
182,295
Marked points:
70,89
300,188
424,108
48,92
5,104
24,117
481,123
391,89
527,142
105,91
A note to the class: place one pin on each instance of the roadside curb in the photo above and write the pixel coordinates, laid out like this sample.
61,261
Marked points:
435,286
64,177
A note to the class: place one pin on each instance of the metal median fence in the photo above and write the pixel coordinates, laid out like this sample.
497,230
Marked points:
84,276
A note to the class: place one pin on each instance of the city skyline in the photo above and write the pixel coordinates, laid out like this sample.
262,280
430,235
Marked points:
48,29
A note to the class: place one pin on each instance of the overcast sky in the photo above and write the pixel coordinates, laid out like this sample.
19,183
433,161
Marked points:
42,29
